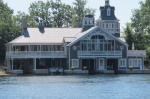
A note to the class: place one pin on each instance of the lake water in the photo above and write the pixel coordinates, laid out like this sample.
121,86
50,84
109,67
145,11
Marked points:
76,87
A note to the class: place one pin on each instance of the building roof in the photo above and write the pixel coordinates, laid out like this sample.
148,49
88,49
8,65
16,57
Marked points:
122,39
82,35
50,35
104,16
69,39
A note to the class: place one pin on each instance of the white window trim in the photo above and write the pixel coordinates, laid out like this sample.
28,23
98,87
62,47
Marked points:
77,63
120,65
137,59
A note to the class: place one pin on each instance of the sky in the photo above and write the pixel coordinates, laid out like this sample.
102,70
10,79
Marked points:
123,8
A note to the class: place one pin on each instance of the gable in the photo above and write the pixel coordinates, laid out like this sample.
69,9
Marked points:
96,31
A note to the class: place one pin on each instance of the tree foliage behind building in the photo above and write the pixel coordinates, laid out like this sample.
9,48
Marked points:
139,30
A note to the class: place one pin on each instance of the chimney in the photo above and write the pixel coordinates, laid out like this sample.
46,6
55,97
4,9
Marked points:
41,26
24,22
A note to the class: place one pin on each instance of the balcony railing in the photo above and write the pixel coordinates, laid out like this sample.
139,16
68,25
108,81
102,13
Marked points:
100,53
37,54
141,53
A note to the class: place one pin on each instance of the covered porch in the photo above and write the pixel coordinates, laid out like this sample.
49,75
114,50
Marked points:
100,64
35,65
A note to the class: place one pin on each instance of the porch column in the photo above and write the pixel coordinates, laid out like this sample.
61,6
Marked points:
8,64
80,63
12,63
105,60
34,60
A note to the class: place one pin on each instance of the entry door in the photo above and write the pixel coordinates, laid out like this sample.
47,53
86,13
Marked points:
101,64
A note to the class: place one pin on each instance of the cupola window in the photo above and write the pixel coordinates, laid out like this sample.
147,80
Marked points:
108,12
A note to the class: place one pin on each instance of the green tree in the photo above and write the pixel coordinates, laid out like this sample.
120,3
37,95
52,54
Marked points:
40,9
53,13
140,23
79,12
129,35
61,14
140,20
8,28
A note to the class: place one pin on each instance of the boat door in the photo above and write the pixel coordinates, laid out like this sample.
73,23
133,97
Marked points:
101,64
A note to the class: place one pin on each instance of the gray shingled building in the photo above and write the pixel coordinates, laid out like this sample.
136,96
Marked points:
95,48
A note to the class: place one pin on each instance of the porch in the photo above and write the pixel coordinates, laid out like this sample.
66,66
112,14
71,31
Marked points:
36,54
36,51
99,65
35,65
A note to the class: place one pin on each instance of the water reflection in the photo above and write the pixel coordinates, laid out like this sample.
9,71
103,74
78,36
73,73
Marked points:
75,86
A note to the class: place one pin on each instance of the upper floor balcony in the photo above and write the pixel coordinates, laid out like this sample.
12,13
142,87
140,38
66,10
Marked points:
36,51
100,53
36,54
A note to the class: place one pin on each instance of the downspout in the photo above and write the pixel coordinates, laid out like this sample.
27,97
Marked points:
69,57
127,58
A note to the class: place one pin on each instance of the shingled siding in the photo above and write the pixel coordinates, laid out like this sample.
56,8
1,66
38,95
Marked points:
124,51
73,53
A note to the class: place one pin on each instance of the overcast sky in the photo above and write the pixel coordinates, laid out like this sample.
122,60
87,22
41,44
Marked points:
123,10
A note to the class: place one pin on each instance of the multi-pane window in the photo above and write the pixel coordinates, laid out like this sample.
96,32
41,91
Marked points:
135,62
97,43
35,47
75,63
122,62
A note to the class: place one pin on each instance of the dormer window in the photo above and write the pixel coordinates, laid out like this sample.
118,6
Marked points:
108,12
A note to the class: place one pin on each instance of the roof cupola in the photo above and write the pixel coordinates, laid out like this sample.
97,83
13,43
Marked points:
106,2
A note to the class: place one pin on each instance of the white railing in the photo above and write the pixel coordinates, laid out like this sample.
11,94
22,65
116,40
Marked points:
136,53
100,53
113,30
37,54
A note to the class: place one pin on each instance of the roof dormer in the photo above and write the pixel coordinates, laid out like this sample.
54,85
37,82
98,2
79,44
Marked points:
88,22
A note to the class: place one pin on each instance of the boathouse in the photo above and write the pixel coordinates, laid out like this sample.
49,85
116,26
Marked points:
95,48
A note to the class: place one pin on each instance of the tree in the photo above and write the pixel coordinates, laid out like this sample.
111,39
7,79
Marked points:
8,29
53,13
79,12
140,23
61,14
40,10
129,35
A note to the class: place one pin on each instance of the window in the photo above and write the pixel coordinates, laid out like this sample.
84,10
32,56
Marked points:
89,47
75,63
135,62
106,25
122,62
101,47
44,48
85,22
109,47
108,12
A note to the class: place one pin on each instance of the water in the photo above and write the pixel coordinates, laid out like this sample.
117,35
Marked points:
76,87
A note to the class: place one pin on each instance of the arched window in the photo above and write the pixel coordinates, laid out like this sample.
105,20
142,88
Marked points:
101,37
93,37
97,37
